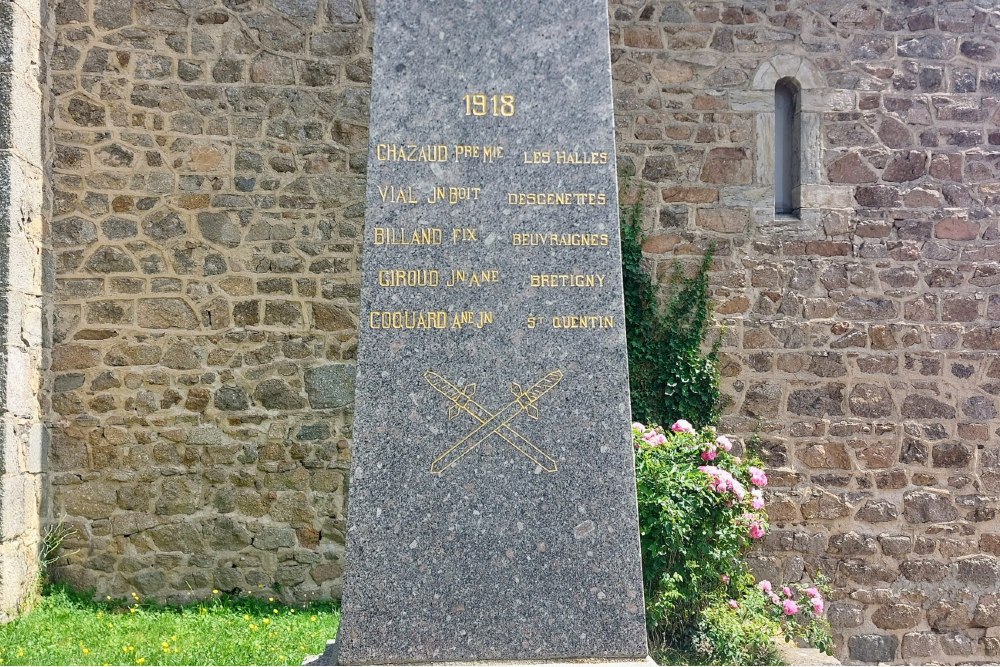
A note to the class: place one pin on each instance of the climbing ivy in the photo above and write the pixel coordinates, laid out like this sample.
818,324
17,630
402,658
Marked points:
671,376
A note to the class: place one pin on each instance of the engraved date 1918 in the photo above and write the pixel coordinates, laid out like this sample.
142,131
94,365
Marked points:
481,104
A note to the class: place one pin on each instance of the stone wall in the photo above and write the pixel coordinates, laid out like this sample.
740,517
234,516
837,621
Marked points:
207,210
21,301
862,338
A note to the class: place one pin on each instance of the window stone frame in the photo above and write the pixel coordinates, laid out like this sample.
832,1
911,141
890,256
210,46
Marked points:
816,100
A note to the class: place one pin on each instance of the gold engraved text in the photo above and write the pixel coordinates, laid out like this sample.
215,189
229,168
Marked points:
409,278
453,195
399,236
408,319
567,280
481,104
463,235
411,153
557,199
583,322
573,157
394,195
480,153
594,240
460,278
469,318
537,157
566,157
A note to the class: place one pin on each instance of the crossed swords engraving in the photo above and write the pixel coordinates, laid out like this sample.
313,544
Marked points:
492,423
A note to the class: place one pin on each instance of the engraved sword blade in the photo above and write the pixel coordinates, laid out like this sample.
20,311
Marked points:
442,385
521,444
473,438
543,386
494,423
459,397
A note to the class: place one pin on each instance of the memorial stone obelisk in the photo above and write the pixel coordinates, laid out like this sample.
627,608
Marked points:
492,509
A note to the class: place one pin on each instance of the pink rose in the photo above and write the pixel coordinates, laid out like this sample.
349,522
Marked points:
709,454
758,499
765,586
757,476
756,530
738,489
812,592
721,481
725,578
817,604
654,438
790,608
734,604
636,426
787,591
723,441
682,426
775,599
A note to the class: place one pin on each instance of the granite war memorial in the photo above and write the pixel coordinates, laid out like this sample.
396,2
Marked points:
181,228
492,500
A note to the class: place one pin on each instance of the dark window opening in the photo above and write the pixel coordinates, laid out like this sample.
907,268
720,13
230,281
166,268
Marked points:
787,146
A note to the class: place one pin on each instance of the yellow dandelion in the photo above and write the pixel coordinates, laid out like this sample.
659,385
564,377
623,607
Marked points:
246,617
86,651
282,658
267,621
20,652
215,591
253,626
165,644
173,638
107,597
313,618
275,611
131,610
270,599
100,614
140,661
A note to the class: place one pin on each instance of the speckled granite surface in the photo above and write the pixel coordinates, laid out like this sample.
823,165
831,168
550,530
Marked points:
492,497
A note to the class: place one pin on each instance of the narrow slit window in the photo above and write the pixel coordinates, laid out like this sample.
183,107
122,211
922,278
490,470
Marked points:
787,144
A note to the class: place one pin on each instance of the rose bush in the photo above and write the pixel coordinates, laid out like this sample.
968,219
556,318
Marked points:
701,508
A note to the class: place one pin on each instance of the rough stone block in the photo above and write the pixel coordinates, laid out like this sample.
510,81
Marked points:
331,386
919,645
871,649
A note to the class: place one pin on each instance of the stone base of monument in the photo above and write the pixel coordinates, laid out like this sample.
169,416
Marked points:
329,657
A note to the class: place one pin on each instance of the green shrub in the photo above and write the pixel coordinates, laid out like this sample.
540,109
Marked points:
741,636
701,507
696,517
670,376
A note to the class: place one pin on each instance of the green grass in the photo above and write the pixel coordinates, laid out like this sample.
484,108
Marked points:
66,628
